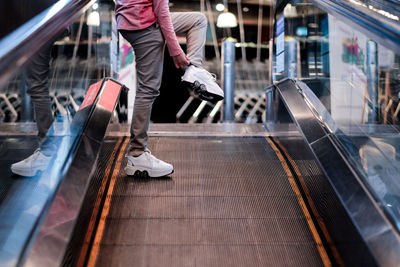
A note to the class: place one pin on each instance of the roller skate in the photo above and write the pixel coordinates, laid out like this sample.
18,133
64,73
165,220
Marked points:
31,166
147,166
203,84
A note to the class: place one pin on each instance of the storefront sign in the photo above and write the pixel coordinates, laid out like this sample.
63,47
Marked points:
280,44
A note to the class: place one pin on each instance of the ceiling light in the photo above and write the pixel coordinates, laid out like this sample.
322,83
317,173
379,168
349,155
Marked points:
93,19
290,11
220,7
226,20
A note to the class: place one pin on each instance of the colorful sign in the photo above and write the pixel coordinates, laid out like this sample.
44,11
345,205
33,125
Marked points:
347,72
91,95
127,72
110,94
280,44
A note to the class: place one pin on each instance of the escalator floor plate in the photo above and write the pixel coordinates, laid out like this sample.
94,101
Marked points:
229,203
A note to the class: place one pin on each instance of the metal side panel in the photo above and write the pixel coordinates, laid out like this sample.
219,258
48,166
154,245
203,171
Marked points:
352,250
207,130
379,235
49,242
98,182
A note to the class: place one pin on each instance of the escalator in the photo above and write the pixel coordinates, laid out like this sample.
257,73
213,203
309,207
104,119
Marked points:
241,195
232,201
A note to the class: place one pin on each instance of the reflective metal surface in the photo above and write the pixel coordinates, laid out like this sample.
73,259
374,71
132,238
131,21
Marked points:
207,129
310,127
55,232
349,62
23,199
57,71
374,228
344,234
228,78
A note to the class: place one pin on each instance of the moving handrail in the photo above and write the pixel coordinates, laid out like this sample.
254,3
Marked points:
19,46
50,237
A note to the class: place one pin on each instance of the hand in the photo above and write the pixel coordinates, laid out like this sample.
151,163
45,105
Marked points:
181,60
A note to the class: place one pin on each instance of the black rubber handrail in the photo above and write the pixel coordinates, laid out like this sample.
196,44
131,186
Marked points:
24,42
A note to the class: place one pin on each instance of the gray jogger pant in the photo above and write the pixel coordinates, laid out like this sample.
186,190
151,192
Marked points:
148,45
36,75
37,81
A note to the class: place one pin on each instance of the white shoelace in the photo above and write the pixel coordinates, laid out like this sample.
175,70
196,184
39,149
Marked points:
151,157
214,76
211,75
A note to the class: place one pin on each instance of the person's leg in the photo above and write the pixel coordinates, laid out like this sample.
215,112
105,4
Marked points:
36,76
148,45
193,26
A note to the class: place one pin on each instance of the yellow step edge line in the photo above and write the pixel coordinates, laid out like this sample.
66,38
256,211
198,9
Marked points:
320,220
106,208
320,247
96,208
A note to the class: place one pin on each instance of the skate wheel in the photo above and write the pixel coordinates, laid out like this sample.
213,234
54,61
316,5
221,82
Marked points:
140,174
204,95
203,88
208,98
196,84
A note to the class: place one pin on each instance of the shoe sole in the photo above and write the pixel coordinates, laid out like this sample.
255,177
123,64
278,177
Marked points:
203,93
25,173
140,173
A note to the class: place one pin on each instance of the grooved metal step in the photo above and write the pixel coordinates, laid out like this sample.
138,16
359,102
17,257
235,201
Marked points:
229,203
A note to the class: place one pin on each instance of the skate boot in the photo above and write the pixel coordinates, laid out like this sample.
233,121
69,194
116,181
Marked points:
146,165
31,166
203,84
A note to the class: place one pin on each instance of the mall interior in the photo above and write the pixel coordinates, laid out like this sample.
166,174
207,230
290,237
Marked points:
298,165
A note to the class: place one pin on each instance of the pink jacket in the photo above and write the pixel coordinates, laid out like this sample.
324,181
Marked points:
139,14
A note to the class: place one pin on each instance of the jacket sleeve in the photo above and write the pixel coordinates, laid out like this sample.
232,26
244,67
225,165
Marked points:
161,11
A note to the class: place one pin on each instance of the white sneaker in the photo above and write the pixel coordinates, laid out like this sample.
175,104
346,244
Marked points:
203,83
146,165
31,165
